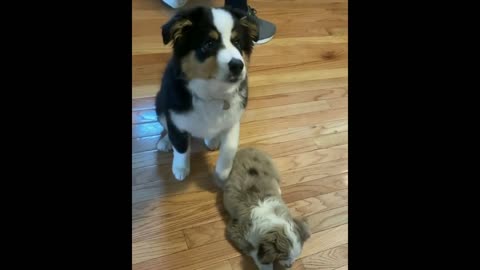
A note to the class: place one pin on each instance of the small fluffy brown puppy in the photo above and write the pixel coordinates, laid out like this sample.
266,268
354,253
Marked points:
260,224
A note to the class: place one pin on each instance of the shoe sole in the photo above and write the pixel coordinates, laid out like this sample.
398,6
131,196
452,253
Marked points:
173,5
263,41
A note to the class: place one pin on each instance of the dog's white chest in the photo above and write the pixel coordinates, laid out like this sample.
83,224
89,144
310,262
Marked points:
210,116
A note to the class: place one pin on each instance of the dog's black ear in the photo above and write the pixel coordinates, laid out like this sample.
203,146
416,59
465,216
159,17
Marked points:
175,28
251,26
246,21
302,228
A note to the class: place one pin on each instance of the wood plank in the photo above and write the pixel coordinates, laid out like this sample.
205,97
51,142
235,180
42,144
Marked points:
150,226
330,259
146,129
157,246
195,258
330,140
169,205
256,128
325,240
328,219
204,234
162,188
314,188
295,98
315,172
312,157
329,85
223,265
265,77
143,103
320,208
285,110
144,116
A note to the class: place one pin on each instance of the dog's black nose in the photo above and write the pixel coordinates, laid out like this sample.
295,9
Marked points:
235,66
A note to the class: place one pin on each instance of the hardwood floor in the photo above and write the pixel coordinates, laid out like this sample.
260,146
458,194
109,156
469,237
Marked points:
297,112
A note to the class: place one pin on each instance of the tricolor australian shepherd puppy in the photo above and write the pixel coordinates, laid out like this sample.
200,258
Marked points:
204,88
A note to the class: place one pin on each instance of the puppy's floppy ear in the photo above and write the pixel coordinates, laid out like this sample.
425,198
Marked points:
246,21
175,27
302,228
251,26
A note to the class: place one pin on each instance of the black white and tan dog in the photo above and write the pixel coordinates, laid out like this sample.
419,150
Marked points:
204,88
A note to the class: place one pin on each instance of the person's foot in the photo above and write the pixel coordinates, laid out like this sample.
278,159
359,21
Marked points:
266,30
175,3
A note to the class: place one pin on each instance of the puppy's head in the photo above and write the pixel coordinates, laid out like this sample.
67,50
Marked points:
212,43
283,244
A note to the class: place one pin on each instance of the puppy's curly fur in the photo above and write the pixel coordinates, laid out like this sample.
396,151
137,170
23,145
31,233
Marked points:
260,224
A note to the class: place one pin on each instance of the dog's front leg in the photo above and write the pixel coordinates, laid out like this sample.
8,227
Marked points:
228,149
181,151
212,143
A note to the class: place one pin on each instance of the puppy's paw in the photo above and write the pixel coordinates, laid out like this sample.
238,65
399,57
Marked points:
164,144
212,144
222,173
181,173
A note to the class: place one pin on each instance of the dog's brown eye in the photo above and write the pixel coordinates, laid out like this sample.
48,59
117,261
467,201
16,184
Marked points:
236,43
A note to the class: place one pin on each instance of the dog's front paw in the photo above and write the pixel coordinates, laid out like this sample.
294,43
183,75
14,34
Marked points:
164,144
212,144
181,173
222,173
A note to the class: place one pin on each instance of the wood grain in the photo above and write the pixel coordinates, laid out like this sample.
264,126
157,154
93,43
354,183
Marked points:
223,265
315,208
195,258
325,240
204,234
159,245
328,219
333,258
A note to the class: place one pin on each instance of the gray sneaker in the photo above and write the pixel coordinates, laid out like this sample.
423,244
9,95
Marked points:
175,3
266,30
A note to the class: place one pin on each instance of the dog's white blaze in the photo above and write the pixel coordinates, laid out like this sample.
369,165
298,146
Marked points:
223,21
